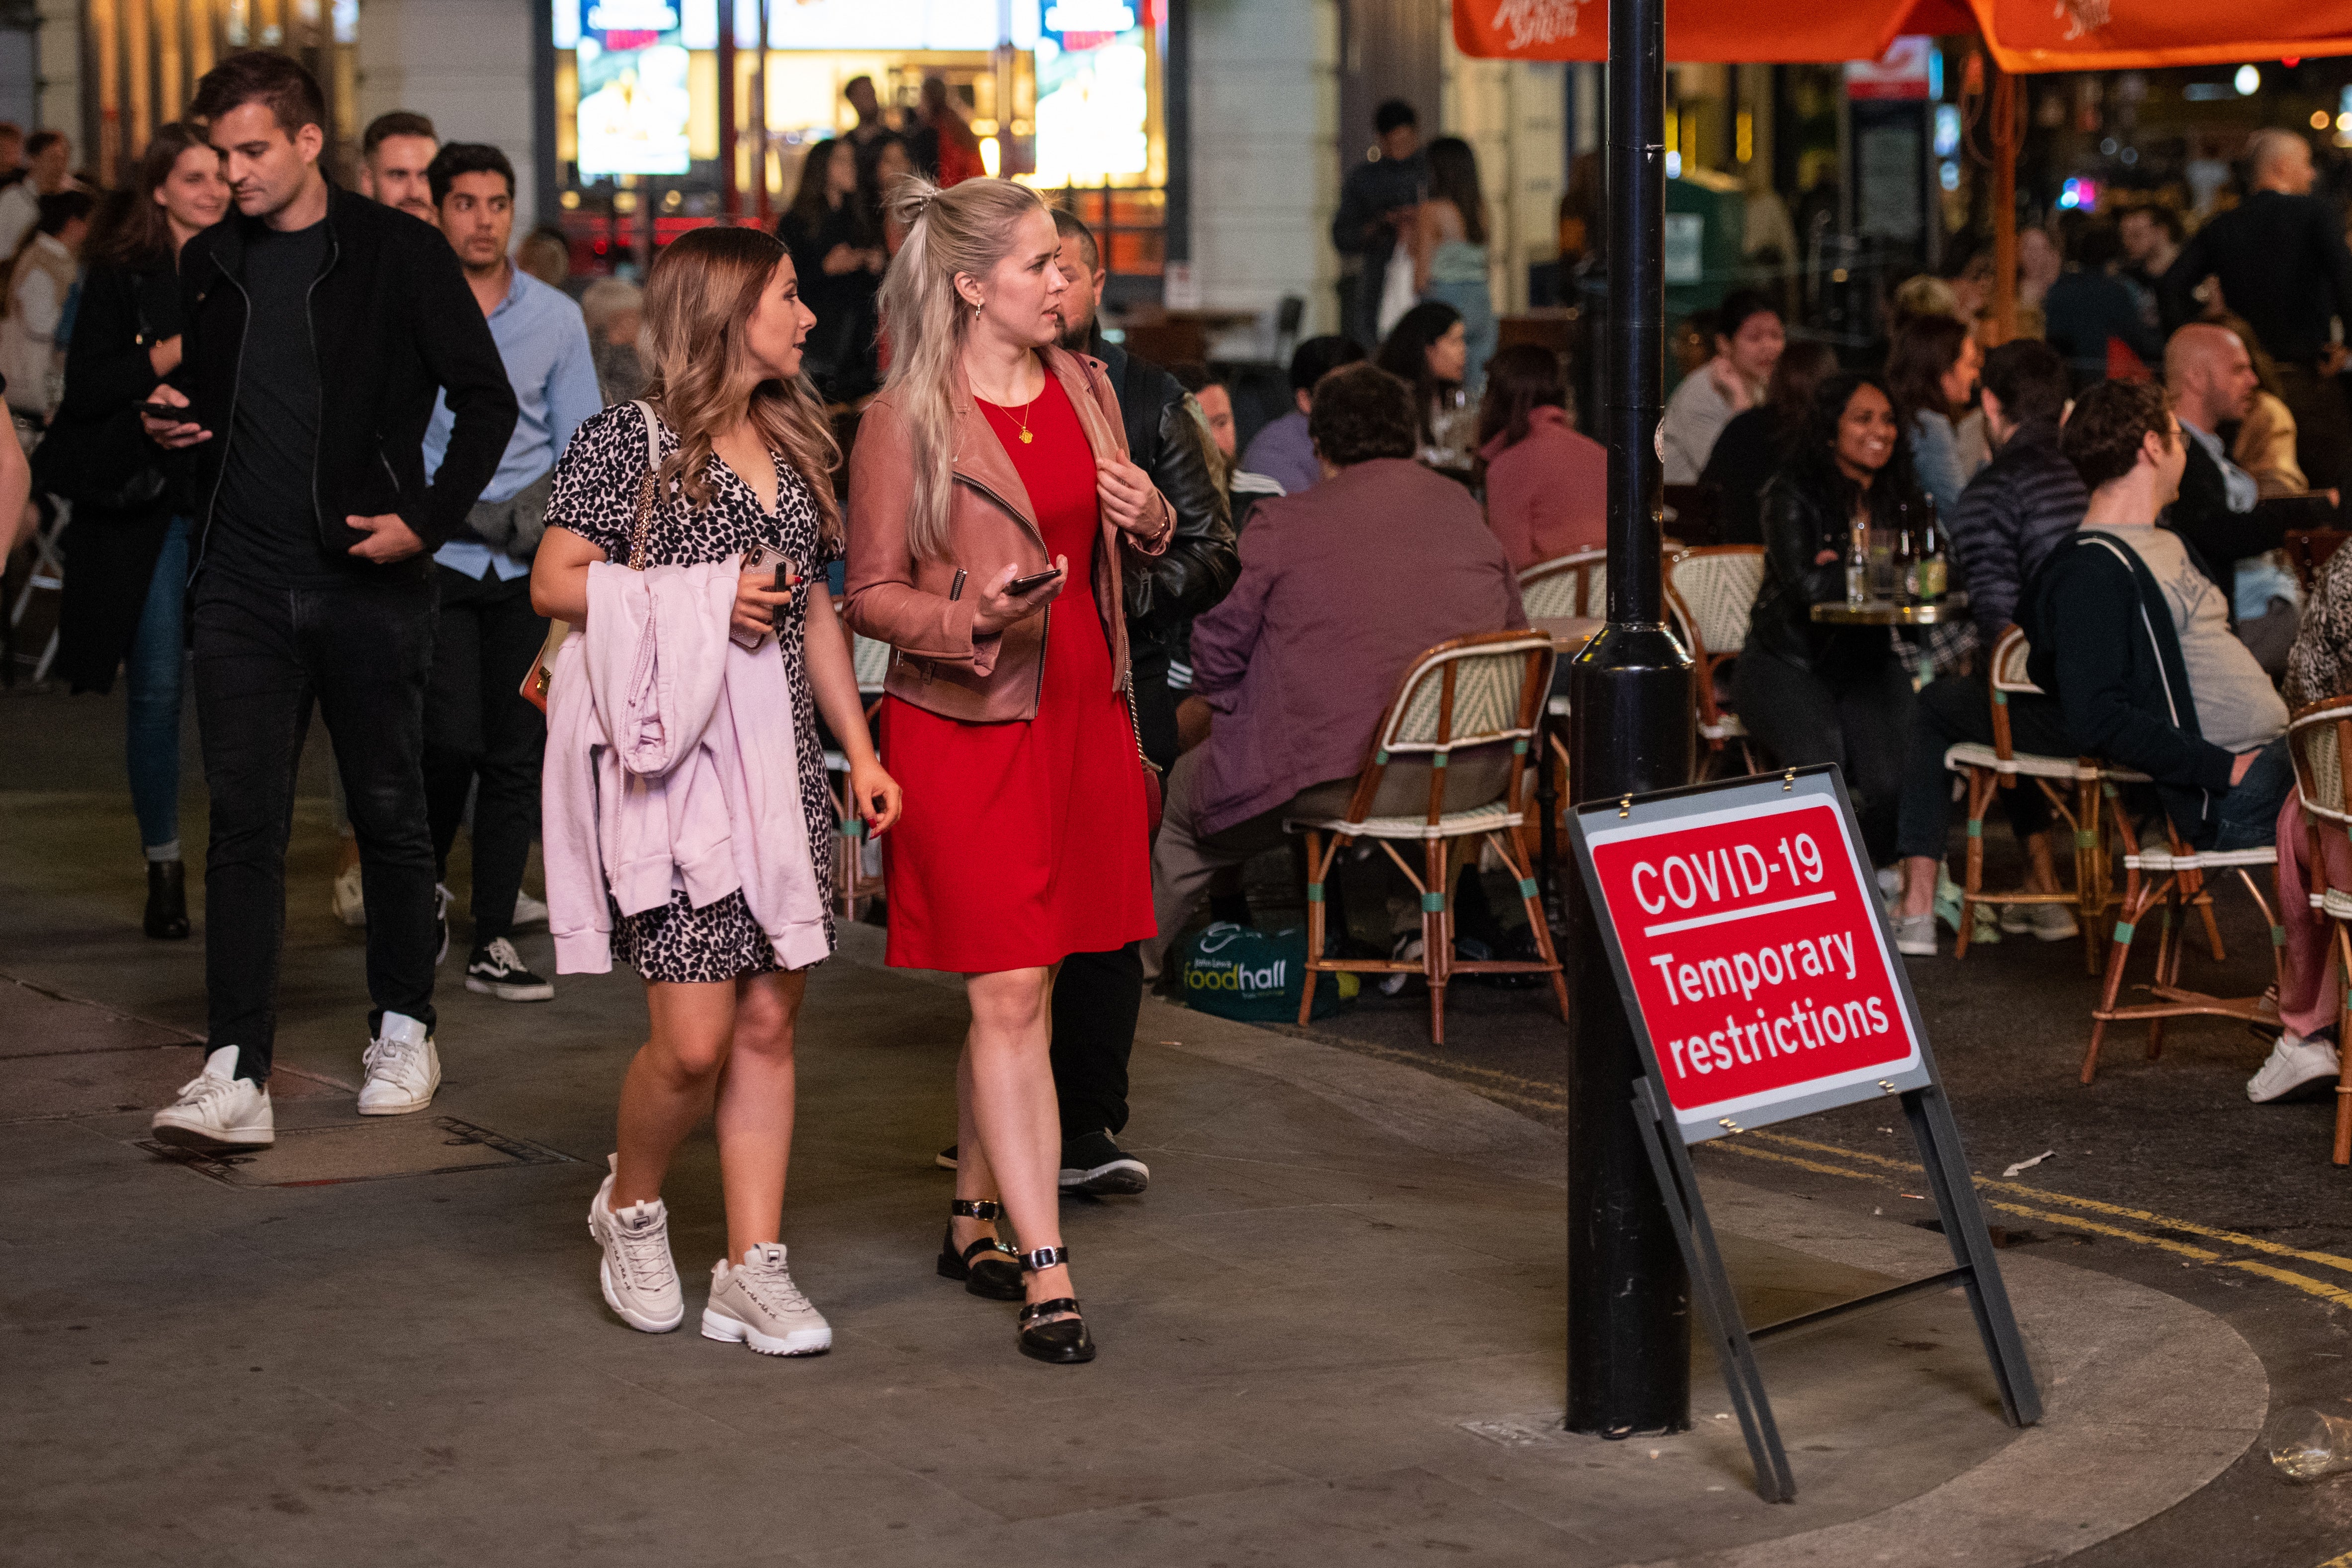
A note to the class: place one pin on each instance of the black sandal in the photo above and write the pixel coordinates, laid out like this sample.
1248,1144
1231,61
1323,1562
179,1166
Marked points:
1064,1341
996,1278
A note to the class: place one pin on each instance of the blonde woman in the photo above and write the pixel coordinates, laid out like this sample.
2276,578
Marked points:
990,474
745,461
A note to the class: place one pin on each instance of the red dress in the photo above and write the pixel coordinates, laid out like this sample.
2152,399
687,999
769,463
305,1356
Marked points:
1025,842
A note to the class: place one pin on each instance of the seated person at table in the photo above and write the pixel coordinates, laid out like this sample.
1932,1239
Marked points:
1547,485
1751,447
1340,589
2133,638
2319,668
1429,351
2220,510
1812,693
2019,507
1283,450
1932,370
1749,339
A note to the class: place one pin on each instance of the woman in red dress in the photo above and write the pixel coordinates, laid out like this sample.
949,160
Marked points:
994,461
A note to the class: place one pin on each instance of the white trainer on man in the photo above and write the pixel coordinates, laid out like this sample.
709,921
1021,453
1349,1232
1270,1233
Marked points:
219,1110
2295,1062
403,1068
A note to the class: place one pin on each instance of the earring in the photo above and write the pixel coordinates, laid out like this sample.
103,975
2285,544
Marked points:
975,313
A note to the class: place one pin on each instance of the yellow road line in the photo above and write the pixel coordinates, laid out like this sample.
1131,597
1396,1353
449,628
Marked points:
2331,1294
2044,1194
2343,1562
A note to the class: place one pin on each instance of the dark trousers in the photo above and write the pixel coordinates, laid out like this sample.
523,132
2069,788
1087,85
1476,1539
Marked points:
1097,997
359,650
1959,708
478,728
1860,722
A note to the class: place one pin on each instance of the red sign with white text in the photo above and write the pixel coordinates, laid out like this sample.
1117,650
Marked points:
1757,956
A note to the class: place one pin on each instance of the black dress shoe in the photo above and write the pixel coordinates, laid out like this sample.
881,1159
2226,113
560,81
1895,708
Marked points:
988,1267
167,900
1063,1341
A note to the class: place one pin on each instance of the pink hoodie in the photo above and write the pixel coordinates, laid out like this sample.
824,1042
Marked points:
671,765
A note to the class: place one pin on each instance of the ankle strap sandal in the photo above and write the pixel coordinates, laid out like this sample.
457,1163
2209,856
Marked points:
1045,1258
986,1267
1064,1341
975,1208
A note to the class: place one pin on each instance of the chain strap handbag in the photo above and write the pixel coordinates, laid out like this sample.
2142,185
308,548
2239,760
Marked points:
543,669
1155,800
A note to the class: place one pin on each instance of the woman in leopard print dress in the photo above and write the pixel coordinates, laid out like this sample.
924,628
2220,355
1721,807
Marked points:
745,463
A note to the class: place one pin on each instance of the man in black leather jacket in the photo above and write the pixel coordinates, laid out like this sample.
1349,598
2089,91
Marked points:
1098,995
317,328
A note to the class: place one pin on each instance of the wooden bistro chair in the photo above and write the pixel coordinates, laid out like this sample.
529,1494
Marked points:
851,886
2169,882
1484,690
2319,739
1565,587
2069,784
1709,594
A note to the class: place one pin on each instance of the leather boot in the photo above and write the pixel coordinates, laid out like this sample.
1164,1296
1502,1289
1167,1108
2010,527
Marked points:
167,900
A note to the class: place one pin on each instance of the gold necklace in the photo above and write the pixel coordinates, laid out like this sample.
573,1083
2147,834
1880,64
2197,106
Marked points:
1025,436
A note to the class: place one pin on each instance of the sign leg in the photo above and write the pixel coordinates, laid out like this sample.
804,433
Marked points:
1742,1380
1964,1227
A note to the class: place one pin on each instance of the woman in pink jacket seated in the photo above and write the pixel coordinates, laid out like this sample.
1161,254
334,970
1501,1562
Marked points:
1547,486
745,458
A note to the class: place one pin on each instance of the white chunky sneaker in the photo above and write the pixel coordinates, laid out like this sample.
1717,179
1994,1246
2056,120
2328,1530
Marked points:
219,1110
756,1303
639,1280
403,1069
1914,935
2293,1063
529,911
349,900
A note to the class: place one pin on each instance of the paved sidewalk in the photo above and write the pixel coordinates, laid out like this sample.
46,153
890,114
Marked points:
1332,1330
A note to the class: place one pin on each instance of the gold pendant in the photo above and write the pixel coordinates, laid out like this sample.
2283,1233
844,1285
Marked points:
1025,438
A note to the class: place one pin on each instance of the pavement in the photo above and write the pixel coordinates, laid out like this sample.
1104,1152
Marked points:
1333,1327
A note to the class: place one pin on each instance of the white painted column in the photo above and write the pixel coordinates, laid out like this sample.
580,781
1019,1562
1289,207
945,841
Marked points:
466,64
1266,110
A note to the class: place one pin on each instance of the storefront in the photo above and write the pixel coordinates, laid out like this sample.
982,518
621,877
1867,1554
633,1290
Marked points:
1068,95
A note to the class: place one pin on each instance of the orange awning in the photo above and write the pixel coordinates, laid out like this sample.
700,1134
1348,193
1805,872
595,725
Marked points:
1783,33
2028,36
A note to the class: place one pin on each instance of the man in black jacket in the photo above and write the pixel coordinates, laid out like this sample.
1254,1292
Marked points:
2018,509
1098,995
2282,265
317,327
2134,639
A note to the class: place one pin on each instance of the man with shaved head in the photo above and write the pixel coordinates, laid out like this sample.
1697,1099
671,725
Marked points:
2281,264
2211,383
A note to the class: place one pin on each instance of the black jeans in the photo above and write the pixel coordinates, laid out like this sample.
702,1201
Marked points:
1959,708
1858,721
478,727
1097,997
359,650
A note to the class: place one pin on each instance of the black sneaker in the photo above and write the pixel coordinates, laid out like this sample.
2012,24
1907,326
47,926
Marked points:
496,969
946,1158
1092,1164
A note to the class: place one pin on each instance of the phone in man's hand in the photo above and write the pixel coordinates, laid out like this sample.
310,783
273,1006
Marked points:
174,413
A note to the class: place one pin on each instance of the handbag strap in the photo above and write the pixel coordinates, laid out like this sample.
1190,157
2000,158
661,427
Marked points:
648,490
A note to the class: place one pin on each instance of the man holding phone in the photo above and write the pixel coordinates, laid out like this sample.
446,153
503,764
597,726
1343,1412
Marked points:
318,327
479,732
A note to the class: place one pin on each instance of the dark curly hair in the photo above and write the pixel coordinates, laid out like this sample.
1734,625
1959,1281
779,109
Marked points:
1812,466
1361,412
2103,434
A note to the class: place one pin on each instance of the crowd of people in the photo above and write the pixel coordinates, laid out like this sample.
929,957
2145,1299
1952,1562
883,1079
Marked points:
584,572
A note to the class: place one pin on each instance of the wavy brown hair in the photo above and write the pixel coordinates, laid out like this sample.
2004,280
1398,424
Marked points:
701,295
130,230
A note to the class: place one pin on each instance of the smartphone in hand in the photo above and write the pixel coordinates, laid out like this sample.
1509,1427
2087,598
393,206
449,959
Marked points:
1029,584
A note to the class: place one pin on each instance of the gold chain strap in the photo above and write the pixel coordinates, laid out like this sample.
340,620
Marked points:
646,491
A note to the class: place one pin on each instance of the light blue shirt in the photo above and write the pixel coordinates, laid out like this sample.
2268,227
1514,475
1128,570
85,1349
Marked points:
2258,579
543,341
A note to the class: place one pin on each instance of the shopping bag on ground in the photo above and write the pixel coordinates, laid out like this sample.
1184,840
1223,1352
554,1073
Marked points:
1255,977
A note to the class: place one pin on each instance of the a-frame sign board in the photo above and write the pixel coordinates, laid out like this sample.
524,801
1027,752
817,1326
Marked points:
1761,983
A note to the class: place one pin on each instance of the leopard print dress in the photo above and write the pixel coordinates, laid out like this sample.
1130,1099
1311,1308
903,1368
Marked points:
595,497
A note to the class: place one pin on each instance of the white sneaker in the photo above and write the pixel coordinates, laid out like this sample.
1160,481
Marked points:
1914,935
529,911
639,1280
219,1110
2293,1063
403,1069
349,897
2043,922
756,1303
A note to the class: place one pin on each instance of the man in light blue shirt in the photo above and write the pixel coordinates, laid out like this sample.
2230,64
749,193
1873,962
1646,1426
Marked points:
480,735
